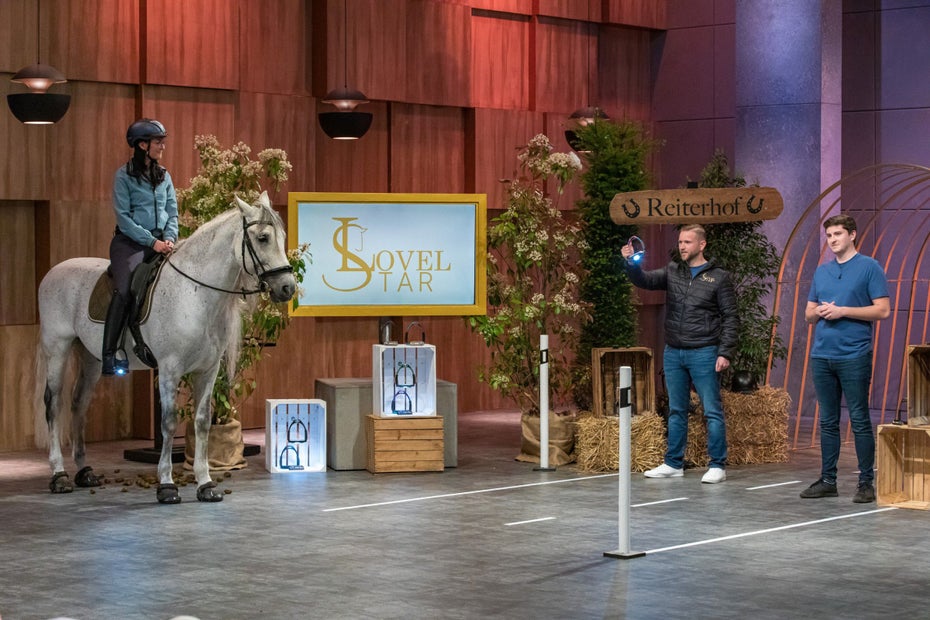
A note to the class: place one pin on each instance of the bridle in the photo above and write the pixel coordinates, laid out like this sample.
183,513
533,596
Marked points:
258,266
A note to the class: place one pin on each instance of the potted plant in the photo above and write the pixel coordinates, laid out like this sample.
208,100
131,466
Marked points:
224,173
533,281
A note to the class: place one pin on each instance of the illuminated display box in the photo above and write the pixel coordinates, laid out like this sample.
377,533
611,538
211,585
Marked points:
403,380
295,435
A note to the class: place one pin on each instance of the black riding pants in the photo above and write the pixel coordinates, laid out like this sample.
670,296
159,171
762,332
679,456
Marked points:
125,256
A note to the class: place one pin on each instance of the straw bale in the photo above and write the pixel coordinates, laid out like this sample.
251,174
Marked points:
757,428
757,432
597,440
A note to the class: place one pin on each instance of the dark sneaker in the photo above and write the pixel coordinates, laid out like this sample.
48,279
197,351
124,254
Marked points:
819,489
865,494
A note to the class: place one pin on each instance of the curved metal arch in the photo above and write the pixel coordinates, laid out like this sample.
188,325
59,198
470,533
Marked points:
891,203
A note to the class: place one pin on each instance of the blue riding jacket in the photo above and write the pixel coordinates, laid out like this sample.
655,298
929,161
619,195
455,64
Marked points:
143,210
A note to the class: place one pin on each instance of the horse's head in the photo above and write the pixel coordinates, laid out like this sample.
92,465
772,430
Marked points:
263,248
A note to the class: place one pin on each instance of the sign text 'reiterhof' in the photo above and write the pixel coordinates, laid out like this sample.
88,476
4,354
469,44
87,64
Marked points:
696,206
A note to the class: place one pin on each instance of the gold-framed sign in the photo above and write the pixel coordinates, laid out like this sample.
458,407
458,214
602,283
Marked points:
696,205
390,254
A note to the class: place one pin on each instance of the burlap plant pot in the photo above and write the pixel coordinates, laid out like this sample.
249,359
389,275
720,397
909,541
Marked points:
561,439
225,447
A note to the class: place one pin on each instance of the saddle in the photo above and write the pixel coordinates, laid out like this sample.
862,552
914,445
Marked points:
141,288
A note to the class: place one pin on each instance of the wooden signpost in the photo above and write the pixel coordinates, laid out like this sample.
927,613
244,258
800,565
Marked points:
696,205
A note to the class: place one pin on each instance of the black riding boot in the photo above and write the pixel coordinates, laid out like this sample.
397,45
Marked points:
112,335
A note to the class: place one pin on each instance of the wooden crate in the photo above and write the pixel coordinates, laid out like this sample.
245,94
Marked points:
918,384
413,443
605,364
903,466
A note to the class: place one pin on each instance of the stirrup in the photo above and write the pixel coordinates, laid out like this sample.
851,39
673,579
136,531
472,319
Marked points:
113,365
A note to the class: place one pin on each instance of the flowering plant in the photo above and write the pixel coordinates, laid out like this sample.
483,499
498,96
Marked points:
533,280
223,174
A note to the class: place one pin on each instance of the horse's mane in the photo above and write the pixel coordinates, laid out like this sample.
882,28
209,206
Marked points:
207,228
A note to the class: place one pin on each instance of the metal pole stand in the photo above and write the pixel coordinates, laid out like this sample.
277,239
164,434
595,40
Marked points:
544,405
624,422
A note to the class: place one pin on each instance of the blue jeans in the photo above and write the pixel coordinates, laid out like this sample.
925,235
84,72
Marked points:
682,368
834,379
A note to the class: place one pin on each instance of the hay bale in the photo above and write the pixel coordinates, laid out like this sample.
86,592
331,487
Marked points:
597,439
757,432
757,428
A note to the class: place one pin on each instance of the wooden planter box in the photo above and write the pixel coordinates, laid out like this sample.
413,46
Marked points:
903,464
605,364
398,444
918,384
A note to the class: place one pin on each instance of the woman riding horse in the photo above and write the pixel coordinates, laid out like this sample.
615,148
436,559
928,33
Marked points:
146,211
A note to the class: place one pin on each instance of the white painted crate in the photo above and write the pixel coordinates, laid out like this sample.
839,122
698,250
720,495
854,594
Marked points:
403,380
295,435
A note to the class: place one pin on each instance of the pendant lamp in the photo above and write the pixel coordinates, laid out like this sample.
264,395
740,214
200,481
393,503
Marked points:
38,106
345,123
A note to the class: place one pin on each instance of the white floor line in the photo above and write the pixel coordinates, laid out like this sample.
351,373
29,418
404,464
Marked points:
530,521
769,486
491,490
661,501
771,529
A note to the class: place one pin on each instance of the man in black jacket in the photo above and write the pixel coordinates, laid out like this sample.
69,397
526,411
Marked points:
701,326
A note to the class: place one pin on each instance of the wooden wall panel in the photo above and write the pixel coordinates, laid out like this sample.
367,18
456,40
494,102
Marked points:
89,143
640,13
523,7
80,228
497,136
274,43
18,20
565,53
500,58
371,55
192,43
584,10
112,56
624,75
281,122
352,165
438,55
187,113
18,258
23,174
17,387
427,149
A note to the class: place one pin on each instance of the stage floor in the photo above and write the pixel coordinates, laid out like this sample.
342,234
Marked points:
491,538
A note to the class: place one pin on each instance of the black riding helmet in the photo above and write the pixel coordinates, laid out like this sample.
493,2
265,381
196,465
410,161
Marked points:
143,130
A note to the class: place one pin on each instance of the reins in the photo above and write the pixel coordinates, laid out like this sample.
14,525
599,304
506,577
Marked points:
257,266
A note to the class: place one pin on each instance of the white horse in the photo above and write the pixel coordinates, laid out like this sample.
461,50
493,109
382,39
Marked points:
188,331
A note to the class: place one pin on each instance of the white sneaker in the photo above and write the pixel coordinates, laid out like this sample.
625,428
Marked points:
714,475
664,471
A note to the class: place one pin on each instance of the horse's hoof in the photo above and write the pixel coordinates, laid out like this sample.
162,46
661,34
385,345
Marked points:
168,494
86,478
207,493
60,483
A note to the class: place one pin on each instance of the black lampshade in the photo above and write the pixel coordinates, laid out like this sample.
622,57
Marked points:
345,125
38,108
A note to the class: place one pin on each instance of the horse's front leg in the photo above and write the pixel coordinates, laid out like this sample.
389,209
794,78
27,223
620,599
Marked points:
167,490
203,390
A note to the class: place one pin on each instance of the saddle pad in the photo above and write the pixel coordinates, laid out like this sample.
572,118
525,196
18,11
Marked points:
103,291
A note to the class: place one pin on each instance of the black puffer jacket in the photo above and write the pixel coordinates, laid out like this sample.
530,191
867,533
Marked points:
699,312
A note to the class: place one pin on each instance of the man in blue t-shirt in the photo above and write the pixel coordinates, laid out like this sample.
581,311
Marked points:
847,295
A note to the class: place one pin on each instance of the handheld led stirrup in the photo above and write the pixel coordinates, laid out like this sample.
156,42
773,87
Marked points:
637,255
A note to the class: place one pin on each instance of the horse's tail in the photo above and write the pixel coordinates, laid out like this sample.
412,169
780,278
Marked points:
39,394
